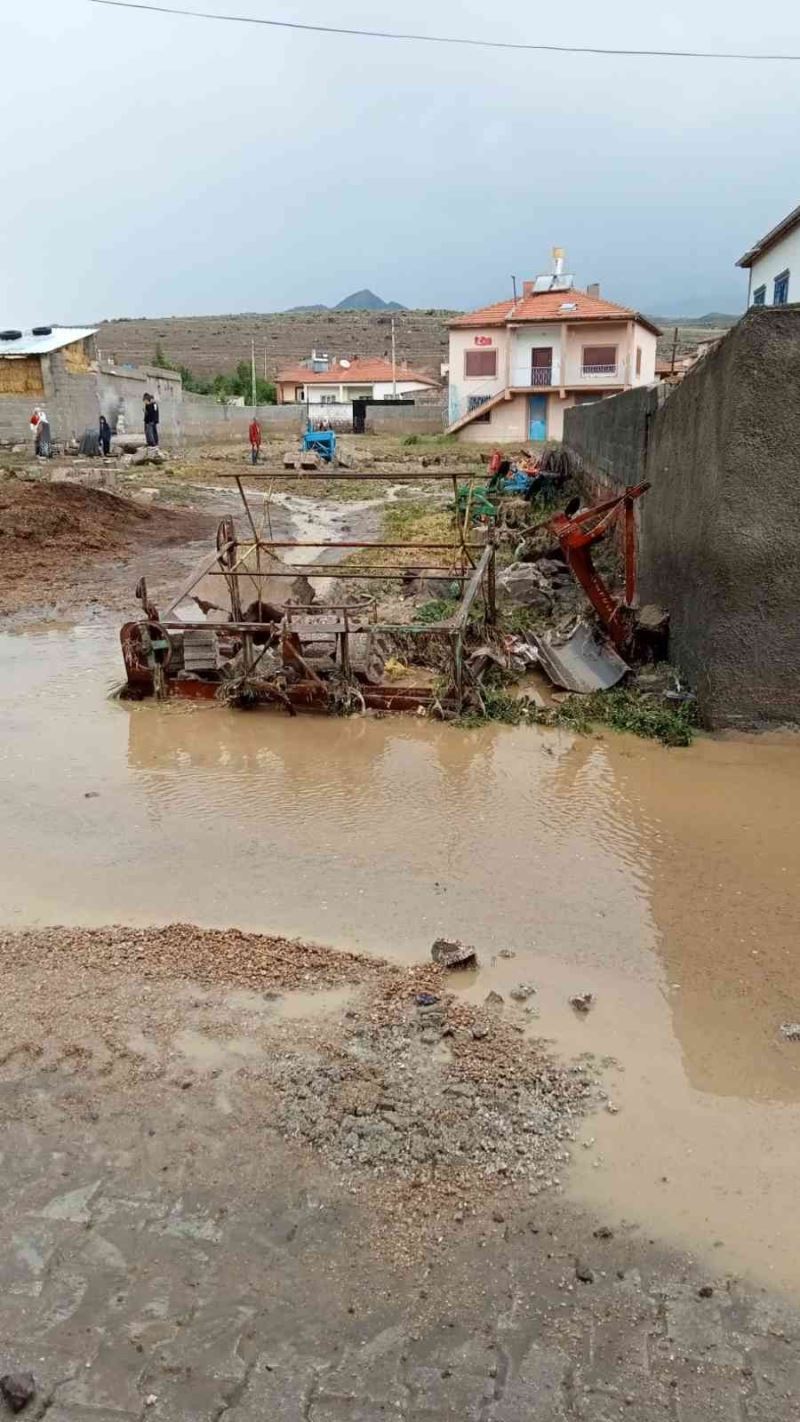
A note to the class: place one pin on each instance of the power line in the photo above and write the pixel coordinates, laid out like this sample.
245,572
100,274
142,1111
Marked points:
448,39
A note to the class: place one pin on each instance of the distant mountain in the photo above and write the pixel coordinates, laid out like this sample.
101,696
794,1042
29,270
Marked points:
305,310
713,320
366,300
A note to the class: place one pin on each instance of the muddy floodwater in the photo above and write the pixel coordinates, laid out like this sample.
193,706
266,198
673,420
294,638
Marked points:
665,882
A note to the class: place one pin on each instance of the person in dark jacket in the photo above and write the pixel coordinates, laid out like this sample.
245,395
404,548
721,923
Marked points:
150,419
104,433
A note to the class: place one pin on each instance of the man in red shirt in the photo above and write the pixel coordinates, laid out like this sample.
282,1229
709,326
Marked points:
255,440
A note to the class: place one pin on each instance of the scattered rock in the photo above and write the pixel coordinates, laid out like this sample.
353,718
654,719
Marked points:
584,1272
523,992
426,999
18,1389
604,1232
506,953
522,585
791,1031
91,794
452,953
493,999
480,1030
149,456
582,1002
498,1217
706,1292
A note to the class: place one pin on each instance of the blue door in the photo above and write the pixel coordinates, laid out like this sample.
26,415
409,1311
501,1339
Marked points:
537,419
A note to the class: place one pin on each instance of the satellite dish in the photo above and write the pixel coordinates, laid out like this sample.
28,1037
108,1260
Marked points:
345,364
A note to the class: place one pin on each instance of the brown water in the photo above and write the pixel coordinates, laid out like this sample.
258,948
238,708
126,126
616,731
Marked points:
666,882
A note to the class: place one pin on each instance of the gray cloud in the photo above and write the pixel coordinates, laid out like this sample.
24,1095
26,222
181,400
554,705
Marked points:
154,165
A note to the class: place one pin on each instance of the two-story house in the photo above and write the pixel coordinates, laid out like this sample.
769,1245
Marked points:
515,367
774,265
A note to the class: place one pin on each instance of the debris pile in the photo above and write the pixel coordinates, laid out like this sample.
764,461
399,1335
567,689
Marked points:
435,1090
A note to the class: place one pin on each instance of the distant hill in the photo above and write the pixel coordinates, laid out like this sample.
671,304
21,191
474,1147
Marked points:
366,300
716,320
214,345
692,331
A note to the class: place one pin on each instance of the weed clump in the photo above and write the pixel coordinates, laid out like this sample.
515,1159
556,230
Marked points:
622,710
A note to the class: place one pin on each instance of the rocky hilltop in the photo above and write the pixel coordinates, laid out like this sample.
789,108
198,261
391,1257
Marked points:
212,345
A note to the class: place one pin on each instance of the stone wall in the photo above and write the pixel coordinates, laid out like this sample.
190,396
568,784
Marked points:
720,543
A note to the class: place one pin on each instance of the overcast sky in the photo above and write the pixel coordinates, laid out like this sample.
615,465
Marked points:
153,165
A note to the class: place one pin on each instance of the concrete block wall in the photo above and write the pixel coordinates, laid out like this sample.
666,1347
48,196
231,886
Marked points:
428,417
120,390
203,417
720,545
70,399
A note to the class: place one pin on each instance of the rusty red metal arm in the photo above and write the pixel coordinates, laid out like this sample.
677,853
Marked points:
577,533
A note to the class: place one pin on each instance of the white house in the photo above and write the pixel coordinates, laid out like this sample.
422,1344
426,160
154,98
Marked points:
323,381
516,366
774,265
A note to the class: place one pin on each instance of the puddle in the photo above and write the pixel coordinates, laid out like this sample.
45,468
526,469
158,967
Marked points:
214,1053
666,882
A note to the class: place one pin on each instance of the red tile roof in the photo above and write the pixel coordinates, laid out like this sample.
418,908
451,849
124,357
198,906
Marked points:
359,372
550,306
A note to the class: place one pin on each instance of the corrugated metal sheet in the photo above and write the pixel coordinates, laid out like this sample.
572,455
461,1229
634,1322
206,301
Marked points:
29,345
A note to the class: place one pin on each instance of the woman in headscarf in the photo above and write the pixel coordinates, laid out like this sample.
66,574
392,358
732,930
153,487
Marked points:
40,426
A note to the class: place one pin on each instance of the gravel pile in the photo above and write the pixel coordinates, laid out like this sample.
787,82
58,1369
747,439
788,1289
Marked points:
415,1091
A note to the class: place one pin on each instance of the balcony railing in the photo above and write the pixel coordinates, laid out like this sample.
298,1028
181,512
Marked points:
592,370
542,375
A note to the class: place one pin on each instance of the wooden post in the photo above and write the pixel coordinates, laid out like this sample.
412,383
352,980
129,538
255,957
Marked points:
491,589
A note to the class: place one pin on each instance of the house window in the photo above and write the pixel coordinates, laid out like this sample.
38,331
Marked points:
760,296
599,360
327,400
480,363
300,395
781,295
638,360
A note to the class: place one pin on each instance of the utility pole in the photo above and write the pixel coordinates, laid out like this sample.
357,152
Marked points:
253,370
674,348
394,363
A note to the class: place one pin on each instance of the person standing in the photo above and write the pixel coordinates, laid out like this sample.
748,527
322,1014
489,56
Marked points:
104,433
40,425
255,440
150,420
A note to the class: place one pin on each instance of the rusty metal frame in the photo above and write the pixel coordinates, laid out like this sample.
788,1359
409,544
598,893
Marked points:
148,670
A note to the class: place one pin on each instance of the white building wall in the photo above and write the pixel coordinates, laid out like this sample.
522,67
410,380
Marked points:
528,338
784,256
463,387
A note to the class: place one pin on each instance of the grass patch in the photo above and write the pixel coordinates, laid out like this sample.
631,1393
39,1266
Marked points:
623,710
438,610
410,521
442,441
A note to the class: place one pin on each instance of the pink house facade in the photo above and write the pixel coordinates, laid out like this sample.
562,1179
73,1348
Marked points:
515,367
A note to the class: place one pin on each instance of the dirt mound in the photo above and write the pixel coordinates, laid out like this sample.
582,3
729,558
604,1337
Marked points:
35,516
53,535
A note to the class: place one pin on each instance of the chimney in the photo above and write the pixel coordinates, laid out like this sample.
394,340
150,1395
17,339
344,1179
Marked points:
527,288
558,261
593,289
